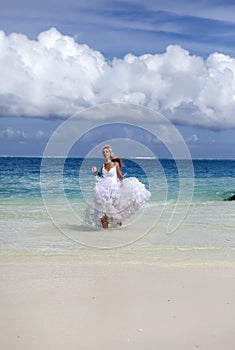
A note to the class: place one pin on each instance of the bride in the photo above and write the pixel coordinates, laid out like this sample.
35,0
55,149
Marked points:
115,198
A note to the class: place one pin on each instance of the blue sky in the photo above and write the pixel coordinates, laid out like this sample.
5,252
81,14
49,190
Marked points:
190,45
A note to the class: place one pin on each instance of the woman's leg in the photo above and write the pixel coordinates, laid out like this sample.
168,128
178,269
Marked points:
105,221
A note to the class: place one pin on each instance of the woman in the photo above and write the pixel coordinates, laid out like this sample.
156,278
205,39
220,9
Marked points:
115,198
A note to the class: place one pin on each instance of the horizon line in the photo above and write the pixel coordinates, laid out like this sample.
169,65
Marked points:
100,157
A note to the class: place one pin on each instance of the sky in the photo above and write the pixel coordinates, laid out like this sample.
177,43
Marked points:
61,57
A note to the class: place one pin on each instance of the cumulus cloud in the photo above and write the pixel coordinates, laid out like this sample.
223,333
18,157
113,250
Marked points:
193,138
14,135
54,76
11,134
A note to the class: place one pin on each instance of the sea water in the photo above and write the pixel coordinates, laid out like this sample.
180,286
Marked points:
43,203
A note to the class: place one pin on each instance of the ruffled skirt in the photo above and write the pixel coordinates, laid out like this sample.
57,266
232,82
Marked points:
119,201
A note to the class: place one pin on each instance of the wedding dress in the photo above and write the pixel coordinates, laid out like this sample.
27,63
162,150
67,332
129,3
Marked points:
116,199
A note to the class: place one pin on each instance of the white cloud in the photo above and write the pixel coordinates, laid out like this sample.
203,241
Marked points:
214,10
193,138
40,134
10,134
55,77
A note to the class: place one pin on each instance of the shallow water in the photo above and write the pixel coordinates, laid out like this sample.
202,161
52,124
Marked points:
42,211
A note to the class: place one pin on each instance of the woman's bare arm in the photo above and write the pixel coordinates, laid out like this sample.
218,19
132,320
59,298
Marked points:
119,171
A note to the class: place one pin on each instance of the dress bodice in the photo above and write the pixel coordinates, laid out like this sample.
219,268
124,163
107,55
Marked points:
112,173
110,176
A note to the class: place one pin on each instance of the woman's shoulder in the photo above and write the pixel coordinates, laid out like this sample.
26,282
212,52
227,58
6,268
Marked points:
117,161
116,164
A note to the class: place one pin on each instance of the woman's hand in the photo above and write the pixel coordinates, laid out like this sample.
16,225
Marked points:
94,169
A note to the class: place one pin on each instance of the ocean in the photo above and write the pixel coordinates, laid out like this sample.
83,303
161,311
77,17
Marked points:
43,203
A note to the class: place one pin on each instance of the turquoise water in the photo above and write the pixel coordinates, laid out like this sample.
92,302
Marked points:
20,177
25,182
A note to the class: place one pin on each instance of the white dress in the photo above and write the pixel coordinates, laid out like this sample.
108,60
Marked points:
116,199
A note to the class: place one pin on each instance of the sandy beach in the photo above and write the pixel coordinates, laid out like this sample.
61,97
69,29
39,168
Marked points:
69,302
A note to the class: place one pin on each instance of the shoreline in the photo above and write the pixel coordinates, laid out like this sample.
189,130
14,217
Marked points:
155,255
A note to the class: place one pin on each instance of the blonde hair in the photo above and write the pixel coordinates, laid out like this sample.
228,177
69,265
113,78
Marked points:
110,150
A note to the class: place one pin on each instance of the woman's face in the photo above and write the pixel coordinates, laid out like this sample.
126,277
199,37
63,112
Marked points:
106,153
